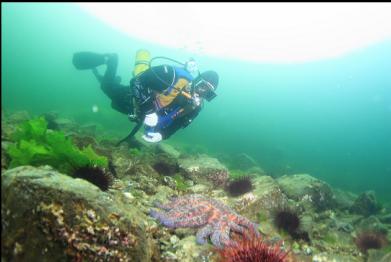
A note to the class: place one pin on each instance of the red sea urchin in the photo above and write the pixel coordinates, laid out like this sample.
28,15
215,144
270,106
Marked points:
370,240
251,248
239,186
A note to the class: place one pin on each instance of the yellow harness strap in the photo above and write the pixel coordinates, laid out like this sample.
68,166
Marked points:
165,100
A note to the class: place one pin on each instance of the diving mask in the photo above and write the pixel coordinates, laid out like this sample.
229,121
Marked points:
205,89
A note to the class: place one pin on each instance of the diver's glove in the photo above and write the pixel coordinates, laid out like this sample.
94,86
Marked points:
151,119
152,137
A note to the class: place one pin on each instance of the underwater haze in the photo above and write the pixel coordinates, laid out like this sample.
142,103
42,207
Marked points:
329,118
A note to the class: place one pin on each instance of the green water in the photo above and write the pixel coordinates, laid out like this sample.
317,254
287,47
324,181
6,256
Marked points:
331,119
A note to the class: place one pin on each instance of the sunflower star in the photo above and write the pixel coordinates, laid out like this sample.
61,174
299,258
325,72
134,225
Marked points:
212,217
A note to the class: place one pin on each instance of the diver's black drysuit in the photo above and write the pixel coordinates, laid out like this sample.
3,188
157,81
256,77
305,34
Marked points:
143,89
120,95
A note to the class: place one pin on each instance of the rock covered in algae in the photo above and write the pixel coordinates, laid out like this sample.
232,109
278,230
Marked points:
243,161
328,257
48,216
379,255
187,250
344,199
305,188
18,117
4,158
366,204
168,149
204,169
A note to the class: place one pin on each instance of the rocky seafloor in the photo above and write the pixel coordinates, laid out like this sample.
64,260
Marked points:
51,216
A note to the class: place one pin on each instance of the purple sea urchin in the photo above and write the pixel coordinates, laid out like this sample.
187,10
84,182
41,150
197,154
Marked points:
288,219
239,186
95,175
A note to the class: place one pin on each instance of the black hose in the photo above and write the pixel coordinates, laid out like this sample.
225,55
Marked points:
132,133
157,76
167,58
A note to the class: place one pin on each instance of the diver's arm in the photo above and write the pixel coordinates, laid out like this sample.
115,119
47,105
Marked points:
180,120
190,116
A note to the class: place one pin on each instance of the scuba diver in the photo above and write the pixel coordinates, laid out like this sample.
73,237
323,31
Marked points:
163,98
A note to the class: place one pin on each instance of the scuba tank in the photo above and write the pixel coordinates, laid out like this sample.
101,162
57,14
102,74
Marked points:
142,62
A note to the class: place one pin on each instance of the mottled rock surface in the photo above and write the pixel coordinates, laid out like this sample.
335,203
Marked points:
265,197
48,216
305,188
204,169
244,162
366,204
168,149
344,199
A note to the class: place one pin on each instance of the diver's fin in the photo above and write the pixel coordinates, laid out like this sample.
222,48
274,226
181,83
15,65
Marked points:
87,60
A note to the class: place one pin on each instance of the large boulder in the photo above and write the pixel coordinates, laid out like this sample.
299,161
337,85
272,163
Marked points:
344,199
305,188
371,223
243,161
18,117
325,256
164,164
65,124
204,169
168,149
379,255
4,157
48,216
10,121
366,204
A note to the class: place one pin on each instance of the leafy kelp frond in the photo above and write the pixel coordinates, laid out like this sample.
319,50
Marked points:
180,182
93,158
35,145
27,152
34,129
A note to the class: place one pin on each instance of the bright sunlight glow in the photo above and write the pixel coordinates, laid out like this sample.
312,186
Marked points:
263,32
